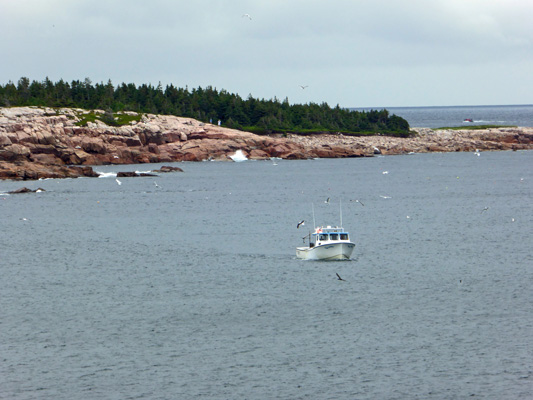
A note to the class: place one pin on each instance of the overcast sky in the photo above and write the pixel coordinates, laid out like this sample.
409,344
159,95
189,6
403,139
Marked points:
355,53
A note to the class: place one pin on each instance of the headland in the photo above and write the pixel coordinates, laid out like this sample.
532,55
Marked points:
43,142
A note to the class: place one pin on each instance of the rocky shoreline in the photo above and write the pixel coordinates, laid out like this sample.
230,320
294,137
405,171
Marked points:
41,142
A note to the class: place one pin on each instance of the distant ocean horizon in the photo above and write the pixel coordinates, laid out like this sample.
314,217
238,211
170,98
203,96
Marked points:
452,116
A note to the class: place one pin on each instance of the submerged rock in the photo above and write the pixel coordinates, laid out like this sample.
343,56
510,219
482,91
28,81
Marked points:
166,168
26,190
133,174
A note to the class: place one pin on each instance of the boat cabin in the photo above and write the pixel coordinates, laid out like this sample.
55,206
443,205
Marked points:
327,235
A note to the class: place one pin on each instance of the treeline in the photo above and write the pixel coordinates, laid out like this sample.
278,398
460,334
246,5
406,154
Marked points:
205,104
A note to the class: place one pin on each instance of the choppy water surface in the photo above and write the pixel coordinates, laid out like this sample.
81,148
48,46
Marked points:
192,289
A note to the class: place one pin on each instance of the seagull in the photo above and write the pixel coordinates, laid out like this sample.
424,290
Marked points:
247,16
485,209
327,201
120,183
302,222
303,87
385,197
385,172
339,277
357,201
156,185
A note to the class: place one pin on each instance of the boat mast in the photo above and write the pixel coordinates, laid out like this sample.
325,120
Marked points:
340,209
313,208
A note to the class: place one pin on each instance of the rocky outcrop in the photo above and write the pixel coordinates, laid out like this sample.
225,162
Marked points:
50,143
33,138
426,140
27,170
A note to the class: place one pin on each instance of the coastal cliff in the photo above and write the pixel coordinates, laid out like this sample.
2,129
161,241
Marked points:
41,142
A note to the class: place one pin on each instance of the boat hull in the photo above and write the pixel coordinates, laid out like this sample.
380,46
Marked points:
330,251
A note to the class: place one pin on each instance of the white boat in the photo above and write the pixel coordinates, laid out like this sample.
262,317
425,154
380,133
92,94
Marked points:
327,243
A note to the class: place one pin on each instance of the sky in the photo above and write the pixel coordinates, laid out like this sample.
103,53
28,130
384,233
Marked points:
352,53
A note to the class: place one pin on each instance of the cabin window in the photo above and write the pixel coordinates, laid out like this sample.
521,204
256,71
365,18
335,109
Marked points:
323,236
334,236
344,236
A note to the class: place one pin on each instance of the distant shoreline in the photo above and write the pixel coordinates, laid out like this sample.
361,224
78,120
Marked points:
44,143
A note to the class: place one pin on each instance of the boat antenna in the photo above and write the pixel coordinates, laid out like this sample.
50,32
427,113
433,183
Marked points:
313,208
340,208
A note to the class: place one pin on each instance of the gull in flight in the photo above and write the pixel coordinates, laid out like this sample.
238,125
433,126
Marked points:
120,183
327,201
247,16
339,277
156,185
385,172
302,222
357,201
303,86
384,197
485,209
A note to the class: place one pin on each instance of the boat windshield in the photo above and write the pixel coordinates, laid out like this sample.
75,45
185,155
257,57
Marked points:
323,236
334,236
344,236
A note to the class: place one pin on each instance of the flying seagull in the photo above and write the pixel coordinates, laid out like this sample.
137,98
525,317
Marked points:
485,209
302,222
339,277
247,16
156,185
357,201
303,86
327,201
120,183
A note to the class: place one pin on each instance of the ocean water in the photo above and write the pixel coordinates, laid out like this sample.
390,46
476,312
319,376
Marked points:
192,290
438,117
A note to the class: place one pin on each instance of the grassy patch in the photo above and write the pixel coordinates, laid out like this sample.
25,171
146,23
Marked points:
111,119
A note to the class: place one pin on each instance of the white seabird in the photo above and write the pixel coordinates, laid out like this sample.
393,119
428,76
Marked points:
247,16
303,86
302,222
120,183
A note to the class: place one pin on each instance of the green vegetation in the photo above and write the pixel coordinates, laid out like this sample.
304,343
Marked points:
476,127
209,104
109,118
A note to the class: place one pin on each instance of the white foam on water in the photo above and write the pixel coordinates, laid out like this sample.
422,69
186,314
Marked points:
106,174
238,156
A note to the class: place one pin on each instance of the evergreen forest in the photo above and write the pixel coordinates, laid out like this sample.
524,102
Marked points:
205,104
